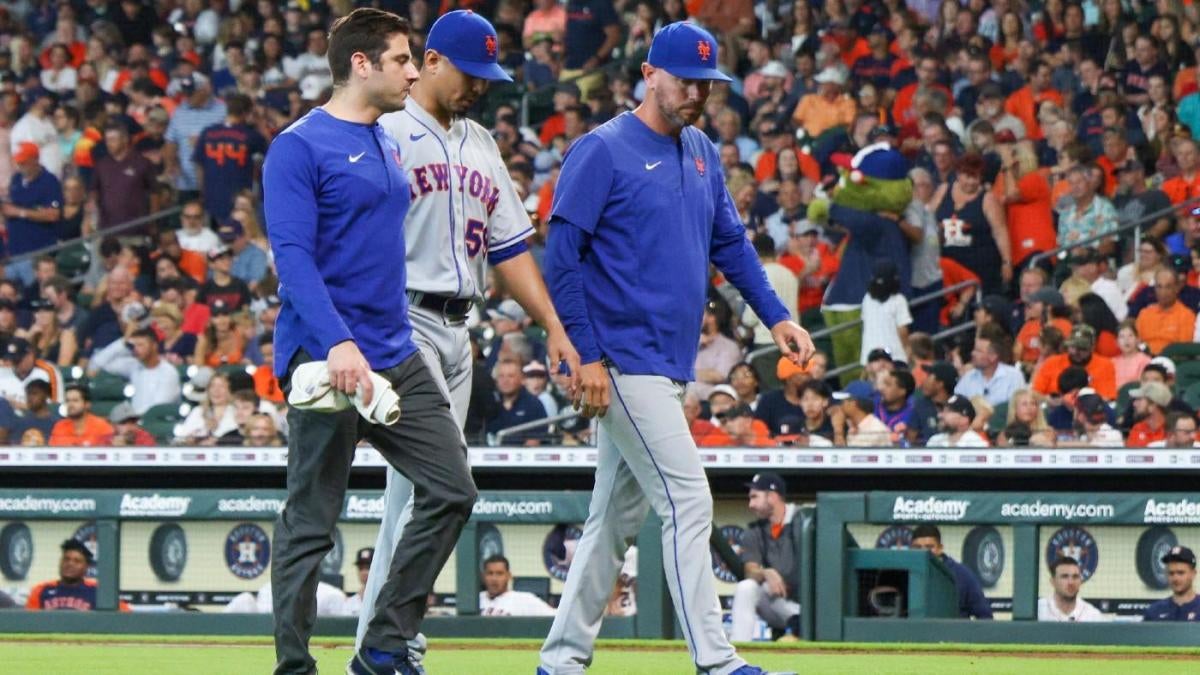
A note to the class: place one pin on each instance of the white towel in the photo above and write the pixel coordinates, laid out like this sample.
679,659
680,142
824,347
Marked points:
311,390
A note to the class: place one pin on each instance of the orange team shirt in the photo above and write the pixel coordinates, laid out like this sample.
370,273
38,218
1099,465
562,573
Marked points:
1100,370
1185,83
952,273
1159,327
1061,188
1142,435
554,125
1029,337
818,114
1110,175
193,264
764,169
1182,188
1001,57
1106,345
812,287
1023,105
95,428
266,385
1031,218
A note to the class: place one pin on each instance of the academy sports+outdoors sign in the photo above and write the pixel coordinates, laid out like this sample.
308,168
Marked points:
1000,508
364,506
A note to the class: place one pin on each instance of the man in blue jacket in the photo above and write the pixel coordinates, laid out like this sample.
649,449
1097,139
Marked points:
971,602
335,195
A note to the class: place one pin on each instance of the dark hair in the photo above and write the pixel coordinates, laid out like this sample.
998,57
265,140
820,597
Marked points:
110,245
238,105
764,245
970,163
366,31
496,558
267,338
59,283
78,546
884,283
1097,314
1173,418
1062,560
83,391
145,333
904,378
1072,378
931,531
247,396
71,112
999,338
42,385
1018,434
817,387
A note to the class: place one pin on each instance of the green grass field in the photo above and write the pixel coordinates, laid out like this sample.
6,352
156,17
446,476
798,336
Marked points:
101,654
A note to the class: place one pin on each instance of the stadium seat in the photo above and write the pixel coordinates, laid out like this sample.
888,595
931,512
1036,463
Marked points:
1123,395
1187,373
160,421
1182,351
539,586
999,419
107,392
1191,396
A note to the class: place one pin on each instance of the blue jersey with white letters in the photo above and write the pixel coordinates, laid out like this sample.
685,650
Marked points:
335,194
637,218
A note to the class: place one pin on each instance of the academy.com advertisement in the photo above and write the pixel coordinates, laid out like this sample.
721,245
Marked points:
983,507
33,505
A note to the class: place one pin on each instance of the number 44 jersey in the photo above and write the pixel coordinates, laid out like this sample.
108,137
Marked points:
464,207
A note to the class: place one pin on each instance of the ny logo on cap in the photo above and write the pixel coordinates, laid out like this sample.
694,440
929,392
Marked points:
700,168
489,43
703,49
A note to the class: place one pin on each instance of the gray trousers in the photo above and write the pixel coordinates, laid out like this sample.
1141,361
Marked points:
446,349
426,446
646,458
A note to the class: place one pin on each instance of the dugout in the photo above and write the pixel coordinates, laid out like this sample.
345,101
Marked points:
1013,536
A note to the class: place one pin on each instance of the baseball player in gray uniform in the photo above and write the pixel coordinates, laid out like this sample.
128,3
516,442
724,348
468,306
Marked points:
640,212
465,215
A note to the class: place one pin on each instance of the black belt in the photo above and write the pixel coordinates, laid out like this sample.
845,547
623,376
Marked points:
454,309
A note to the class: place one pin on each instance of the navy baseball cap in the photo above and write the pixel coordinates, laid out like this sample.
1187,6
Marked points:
364,557
686,51
1181,554
768,482
470,42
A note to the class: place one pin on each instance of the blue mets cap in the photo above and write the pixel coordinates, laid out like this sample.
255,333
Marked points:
470,42
686,51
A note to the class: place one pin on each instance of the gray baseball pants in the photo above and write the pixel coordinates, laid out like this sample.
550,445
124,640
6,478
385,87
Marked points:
426,446
446,349
646,458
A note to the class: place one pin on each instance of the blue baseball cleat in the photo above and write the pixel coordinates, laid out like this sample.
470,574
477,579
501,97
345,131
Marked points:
370,661
541,671
755,670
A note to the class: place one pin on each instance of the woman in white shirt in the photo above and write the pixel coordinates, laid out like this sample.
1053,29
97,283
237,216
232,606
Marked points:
212,418
60,77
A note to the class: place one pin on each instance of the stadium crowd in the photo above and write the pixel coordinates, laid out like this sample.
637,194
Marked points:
1032,129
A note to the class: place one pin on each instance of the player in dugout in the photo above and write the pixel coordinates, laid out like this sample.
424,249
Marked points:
72,590
971,602
1184,604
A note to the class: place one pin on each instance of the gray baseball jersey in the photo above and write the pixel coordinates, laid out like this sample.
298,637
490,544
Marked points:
463,206
463,202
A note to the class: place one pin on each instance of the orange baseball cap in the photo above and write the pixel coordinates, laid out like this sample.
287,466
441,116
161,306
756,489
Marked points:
25,152
785,369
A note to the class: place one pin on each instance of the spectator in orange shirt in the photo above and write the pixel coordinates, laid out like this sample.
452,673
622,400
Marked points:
1080,353
904,111
743,430
80,427
1168,320
1187,184
828,108
813,262
1044,307
266,385
1025,194
1150,404
1024,102
704,432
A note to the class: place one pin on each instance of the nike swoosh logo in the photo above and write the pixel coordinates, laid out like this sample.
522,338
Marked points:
416,137
651,167
355,158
